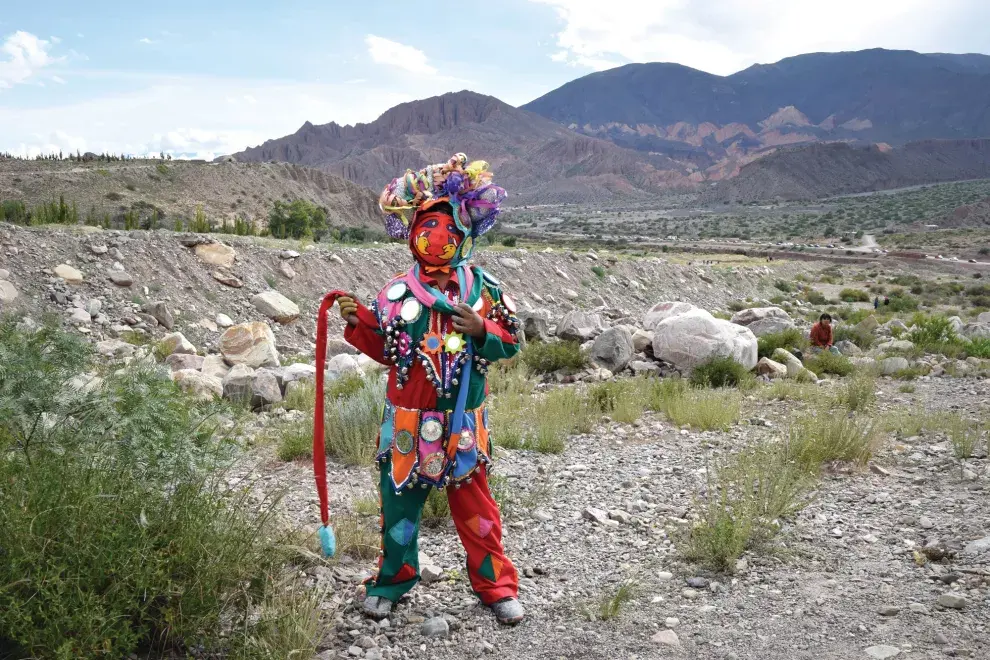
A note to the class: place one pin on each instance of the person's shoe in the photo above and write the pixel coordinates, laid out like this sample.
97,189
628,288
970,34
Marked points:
377,607
508,611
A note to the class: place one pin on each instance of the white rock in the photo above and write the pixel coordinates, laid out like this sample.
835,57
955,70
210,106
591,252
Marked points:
769,368
69,274
890,366
298,371
342,364
665,310
213,365
276,306
666,637
580,326
80,317
176,342
690,339
7,292
114,348
224,321
613,349
199,385
216,254
764,320
882,652
595,515
251,344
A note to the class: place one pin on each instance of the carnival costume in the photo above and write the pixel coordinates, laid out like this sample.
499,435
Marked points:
435,424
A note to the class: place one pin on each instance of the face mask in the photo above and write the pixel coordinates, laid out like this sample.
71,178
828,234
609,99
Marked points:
435,238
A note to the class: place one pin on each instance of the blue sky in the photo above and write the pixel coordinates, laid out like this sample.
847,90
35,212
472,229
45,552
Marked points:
210,77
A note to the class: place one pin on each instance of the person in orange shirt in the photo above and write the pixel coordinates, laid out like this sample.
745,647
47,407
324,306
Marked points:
821,335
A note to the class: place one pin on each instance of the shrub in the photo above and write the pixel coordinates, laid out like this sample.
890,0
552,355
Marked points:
815,297
979,348
858,336
702,409
611,603
858,394
599,272
827,362
509,241
786,339
546,358
719,372
295,441
116,505
935,334
623,400
352,424
436,511
299,219
816,440
781,285
746,498
854,295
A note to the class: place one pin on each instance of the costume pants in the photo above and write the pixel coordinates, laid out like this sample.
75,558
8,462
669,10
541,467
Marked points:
476,516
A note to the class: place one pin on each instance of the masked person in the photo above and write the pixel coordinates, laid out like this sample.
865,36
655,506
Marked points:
438,327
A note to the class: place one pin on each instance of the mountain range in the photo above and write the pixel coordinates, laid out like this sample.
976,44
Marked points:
639,129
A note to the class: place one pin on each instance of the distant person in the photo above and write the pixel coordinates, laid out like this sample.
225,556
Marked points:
876,303
821,335
886,301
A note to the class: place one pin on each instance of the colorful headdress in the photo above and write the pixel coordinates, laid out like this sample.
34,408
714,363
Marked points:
467,186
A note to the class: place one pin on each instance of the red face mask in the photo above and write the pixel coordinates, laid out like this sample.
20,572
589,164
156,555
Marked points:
434,239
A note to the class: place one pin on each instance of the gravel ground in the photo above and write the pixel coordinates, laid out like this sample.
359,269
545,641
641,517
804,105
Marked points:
842,582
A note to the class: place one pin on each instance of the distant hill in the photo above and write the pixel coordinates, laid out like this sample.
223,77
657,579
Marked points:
535,159
720,123
826,170
224,190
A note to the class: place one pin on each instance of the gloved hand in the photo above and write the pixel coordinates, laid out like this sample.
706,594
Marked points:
348,309
467,321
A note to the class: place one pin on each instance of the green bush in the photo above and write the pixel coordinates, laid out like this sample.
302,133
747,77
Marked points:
815,297
599,272
858,336
546,358
298,219
854,295
353,422
827,362
781,285
786,339
117,527
719,372
509,241
979,348
933,333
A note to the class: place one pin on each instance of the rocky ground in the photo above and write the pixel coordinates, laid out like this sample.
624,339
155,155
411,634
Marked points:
842,581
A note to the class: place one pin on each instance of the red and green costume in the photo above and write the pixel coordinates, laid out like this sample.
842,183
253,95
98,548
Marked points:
435,425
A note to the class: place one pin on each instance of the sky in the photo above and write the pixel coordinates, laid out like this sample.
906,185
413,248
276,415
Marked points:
198,79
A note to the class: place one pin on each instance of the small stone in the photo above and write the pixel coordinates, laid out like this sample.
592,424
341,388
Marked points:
940,639
925,523
430,574
224,276
121,279
99,249
216,254
223,321
620,515
889,610
883,651
665,576
671,622
955,601
666,637
689,594
595,515
80,317
435,628
697,582
373,654
918,608
836,532
355,652
69,274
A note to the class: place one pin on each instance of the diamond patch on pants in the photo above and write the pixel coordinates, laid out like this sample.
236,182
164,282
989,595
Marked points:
402,531
480,526
490,569
405,574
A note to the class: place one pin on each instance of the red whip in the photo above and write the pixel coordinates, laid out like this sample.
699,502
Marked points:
327,539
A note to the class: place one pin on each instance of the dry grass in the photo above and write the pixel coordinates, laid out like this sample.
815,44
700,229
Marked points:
815,440
611,603
705,410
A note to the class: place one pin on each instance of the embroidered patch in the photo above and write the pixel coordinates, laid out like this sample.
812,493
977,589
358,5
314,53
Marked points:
467,440
509,303
405,574
402,531
453,342
432,343
431,430
404,442
490,569
478,305
480,526
432,466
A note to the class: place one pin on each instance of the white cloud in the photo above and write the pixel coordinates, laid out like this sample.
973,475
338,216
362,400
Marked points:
194,117
145,40
58,79
724,36
22,55
55,40
392,53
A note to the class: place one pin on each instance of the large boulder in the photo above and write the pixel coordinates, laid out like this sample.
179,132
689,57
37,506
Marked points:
536,324
265,390
114,348
642,341
847,348
869,324
770,369
160,312
250,344
183,361
613,349
276,306
7,292
216,254
213,365
69,274
176,342
298,372
976,330
238,384
580,326
694,337
663,311
896,345
342,364
984,317
892,365
199,385
795,368
764,320
956,323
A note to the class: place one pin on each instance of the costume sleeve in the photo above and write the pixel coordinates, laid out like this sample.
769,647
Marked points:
367,335
499,342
